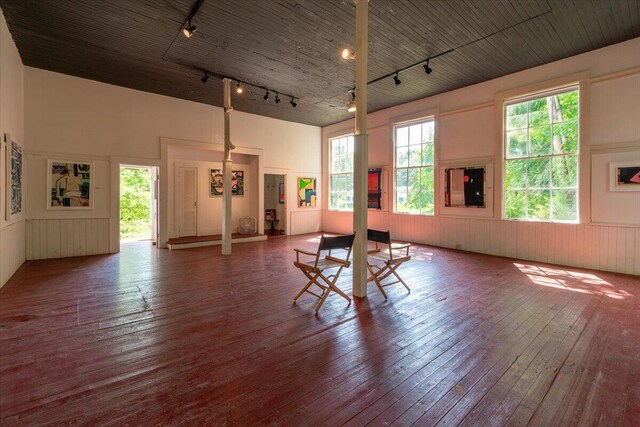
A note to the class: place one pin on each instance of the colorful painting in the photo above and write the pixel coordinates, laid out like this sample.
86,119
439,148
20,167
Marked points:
281,193
307,192
625,176
237,183
14,180
70,185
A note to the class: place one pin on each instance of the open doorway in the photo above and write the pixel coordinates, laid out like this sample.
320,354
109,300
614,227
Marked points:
275,217
138,204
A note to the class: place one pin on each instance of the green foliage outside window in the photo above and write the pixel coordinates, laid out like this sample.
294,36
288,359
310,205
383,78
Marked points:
541,158
135,203
414,146
341,176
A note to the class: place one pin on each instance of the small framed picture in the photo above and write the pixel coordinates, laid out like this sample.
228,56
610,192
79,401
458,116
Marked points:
624,176
69,185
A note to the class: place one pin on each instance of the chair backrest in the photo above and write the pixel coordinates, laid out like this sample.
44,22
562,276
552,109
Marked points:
379,236
328,243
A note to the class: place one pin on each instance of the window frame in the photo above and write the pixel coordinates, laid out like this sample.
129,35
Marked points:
395,124
579,82
330,169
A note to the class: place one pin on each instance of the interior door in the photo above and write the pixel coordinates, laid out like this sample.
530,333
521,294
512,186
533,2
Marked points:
155,191
189,195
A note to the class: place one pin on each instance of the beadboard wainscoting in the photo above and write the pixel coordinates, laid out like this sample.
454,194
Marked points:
305,221
59,238
12,251
601,247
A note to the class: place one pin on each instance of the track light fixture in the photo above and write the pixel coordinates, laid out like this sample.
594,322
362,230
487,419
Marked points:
266,96
277,98
239,88
205,78
189,29
396,79
347,53
427,69
351,107
293,102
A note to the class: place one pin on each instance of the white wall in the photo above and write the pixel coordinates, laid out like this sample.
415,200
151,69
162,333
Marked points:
74,118
12,233
468,133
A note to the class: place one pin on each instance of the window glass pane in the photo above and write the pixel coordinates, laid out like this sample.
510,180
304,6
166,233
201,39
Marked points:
515,174
517,143
539,204
539,173
413,195
415,155
565,137
401,190
350,145
415,135
402,136
427,154
348,182
402,157
427,131
539,112
516,204
426,186
516,117
567,105
540,141
565,205
565,171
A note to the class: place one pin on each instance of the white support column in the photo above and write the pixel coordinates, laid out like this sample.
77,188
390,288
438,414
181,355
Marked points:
226,171
361,154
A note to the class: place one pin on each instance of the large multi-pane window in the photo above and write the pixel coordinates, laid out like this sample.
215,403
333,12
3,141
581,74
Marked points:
414,167
341,173
541,157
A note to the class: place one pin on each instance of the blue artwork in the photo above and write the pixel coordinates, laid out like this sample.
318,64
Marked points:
15,205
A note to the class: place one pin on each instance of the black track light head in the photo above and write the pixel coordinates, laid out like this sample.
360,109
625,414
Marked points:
293,102
189,29
396,79
427,69
205,78
266,96
277,98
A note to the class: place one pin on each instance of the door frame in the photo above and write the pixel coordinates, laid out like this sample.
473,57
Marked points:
115,164
287,194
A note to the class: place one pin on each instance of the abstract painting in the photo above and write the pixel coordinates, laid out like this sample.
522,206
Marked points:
69,185
625,176
281,193
14,180
237,183
307,192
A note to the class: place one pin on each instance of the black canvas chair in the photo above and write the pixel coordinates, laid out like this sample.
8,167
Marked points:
384,261
315,269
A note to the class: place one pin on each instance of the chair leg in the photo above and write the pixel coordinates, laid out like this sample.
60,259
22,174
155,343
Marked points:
322,299
312,280
393,270
374,277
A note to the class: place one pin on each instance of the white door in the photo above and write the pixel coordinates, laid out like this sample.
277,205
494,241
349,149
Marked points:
188,188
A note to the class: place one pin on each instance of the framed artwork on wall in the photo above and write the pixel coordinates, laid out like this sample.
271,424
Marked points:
307,197
374,189
624,176
14,167
69,185
465,187
237,183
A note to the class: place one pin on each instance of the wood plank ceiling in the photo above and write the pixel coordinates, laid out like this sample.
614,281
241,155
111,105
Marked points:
293,46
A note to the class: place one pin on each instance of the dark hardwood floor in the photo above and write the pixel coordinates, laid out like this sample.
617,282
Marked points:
149,337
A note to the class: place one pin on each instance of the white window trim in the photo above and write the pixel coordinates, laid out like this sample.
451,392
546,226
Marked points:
582,82
408,120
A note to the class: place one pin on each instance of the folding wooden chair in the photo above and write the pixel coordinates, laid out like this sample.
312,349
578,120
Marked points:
315,269
385,261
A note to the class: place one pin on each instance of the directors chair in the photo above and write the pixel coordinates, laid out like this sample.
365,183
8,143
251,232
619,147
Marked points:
315,269
383,262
